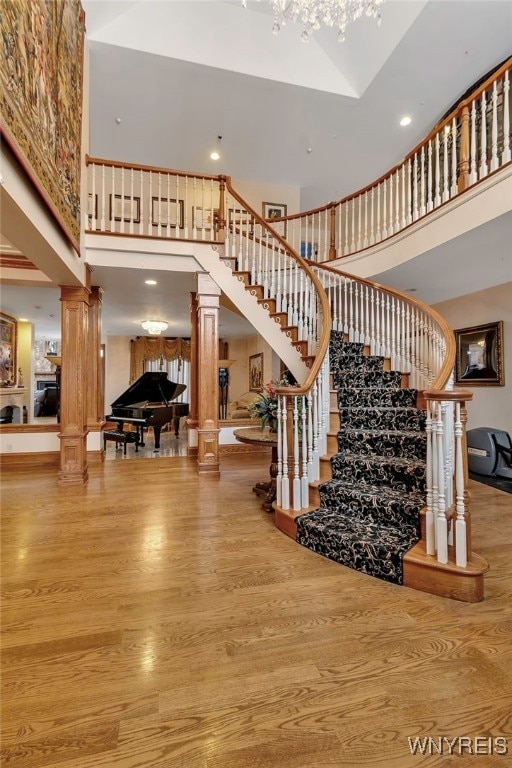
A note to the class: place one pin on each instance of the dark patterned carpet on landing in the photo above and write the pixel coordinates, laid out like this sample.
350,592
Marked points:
369,513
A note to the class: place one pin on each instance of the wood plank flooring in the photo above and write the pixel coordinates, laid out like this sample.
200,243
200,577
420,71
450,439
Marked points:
157,619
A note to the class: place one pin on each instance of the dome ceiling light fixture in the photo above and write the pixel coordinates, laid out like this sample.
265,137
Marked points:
215,155
313,13
154,327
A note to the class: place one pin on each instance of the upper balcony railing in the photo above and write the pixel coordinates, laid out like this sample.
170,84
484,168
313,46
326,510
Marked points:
468,145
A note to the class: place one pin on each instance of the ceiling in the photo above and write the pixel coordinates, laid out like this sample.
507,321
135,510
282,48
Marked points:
167,78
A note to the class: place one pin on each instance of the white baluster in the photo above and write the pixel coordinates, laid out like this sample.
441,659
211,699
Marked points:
415,212
483,170
365,238
112,199
152,211
454,188
397,202
351,312
394,366
310,438
391,228
505,155
353,243
132,202
356,313
429,517
316,455
494,128
345,306
384,211
372,234
442,525
177,231
373,333
185,223
387,351
430,180
359,224
437,199
446,164
285,485
304,493
142,202
422,183
346,246
367,338
403,219
378,236
408,216
461,553
296,476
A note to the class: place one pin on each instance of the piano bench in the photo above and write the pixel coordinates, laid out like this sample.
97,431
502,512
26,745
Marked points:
121,437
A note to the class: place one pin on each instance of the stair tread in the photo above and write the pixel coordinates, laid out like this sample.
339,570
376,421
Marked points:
372,490
379,432
349,527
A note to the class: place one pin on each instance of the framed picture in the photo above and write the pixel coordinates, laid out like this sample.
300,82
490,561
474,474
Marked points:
166,212
204,218
125,208
276,211
8,327
241,219
256,372
479,357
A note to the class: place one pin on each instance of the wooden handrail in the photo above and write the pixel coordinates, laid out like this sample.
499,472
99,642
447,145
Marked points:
152,168
449,361
437,129
324,303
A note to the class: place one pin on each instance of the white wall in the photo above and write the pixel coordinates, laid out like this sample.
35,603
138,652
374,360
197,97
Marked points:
117,368
491,406
255,194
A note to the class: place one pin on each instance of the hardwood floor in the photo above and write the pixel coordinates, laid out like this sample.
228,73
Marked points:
155,619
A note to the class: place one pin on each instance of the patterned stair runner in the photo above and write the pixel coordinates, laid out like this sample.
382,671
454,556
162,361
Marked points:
368,517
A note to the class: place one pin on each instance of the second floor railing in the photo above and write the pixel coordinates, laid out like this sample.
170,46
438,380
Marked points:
469,144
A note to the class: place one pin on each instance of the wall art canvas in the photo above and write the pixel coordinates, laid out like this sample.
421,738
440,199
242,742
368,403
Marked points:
41,68
8,327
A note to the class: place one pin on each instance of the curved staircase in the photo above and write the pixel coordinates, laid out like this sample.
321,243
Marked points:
369,513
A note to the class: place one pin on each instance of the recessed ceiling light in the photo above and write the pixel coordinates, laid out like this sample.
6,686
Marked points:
150,282
405,121
214,156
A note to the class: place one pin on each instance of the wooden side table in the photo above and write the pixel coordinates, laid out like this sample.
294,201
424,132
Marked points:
255,436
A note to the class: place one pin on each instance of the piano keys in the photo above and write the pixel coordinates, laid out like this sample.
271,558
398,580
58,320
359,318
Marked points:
147,403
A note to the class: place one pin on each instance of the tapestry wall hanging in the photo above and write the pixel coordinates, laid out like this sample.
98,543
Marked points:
41,67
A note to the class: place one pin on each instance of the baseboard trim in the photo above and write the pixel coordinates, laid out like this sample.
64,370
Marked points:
30,460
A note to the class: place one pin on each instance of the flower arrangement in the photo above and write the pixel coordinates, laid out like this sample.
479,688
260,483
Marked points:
264,406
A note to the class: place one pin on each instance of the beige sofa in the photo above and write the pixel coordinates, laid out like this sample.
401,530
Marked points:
238,409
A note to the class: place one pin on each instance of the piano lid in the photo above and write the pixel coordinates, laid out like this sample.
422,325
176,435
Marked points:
153,387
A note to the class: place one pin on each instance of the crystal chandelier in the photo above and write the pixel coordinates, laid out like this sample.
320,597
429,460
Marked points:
154,327
313,13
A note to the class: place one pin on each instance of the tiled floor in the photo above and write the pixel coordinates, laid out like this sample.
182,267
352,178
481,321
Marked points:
169,446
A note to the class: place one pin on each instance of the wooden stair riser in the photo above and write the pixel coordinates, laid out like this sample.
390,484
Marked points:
281,318
268,304
302,347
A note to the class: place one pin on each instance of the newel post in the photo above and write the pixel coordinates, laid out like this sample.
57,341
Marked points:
332,233
463,177
221,222
457,473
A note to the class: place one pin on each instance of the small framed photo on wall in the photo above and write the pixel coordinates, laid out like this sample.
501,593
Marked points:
273,211
256,372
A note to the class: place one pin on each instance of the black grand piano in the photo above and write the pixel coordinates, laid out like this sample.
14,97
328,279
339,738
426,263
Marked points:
147,403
